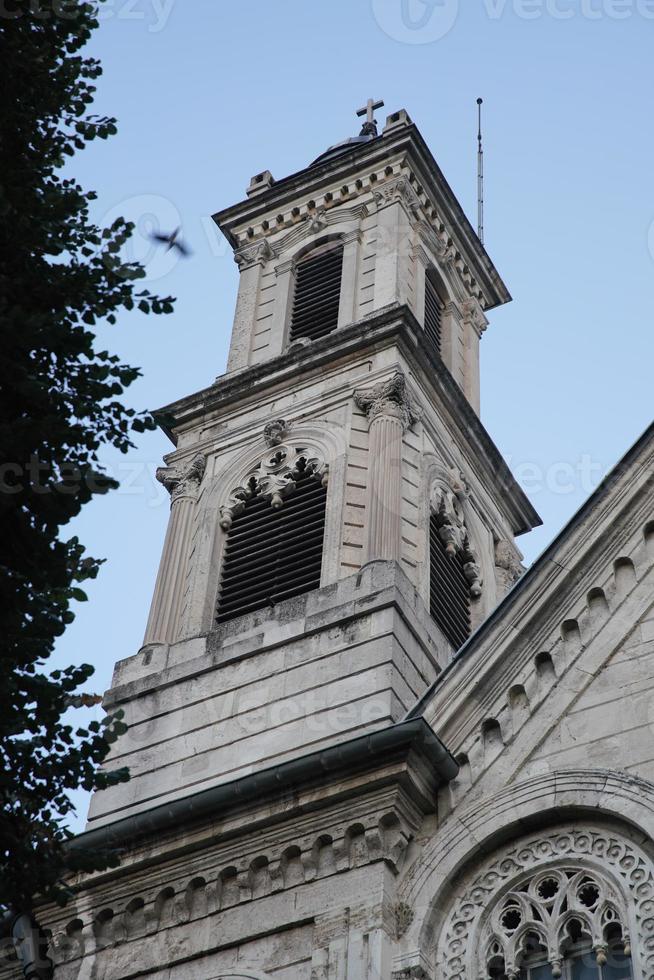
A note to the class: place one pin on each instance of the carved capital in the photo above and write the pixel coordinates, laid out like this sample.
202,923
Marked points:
275,432
183,481
397,190
257,254
390,398
507,564
474,315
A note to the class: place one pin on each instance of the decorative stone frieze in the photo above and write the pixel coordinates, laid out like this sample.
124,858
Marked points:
273,478
446,502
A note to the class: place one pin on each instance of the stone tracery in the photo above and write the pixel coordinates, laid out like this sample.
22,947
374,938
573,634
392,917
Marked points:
446,501
273,477
537,887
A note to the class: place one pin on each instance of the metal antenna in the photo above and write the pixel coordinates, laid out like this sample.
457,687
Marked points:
480,178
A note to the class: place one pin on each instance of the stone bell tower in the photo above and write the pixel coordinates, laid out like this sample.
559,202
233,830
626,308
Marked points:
340,522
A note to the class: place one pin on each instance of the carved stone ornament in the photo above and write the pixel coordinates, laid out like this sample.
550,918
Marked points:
446,503
275,432
256,254
273,478
474,315
507,564
316,221
389,398
399,189
183,481
553,887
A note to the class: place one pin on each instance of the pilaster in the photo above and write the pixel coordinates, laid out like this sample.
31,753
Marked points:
390,412
183,485
251,261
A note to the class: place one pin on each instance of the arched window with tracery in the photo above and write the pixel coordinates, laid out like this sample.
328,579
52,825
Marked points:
573,902
275,523
317,292
564,922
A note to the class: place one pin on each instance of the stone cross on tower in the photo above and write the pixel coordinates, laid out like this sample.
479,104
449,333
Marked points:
369,127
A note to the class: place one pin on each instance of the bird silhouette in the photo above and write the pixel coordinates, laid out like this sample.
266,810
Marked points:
171,240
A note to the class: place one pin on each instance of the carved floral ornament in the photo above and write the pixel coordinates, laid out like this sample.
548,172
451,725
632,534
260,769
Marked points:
447,497
545,894
274,477
389,398
183,481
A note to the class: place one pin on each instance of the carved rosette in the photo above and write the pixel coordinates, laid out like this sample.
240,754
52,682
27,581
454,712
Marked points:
273,478
183,481
275,432
390,398
447,497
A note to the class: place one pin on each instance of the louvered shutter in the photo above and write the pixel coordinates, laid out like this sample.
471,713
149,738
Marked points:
271,555
317,293
449,590
433,315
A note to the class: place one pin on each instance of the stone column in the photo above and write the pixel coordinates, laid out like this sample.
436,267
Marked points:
396,202
183,485
390,412
250,261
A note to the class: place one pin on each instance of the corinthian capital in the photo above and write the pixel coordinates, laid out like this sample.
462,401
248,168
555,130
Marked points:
183,481
389,398
256,254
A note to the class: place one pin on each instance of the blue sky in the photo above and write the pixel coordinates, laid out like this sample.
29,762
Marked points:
207,93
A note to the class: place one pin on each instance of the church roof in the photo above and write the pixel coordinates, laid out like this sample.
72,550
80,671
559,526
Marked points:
348,144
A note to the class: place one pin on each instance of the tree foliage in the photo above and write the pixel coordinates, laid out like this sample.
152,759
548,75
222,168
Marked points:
60,275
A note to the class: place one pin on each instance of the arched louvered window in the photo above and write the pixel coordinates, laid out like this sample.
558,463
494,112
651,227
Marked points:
317,292
274,553
433,311
449,588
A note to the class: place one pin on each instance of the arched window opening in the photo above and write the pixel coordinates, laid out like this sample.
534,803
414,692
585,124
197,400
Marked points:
434,306
565,923
449,586
275,541
317,292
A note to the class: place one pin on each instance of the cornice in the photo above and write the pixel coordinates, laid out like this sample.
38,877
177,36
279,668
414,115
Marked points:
363,171
396,324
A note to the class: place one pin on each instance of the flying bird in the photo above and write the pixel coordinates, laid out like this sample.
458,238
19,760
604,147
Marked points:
171,240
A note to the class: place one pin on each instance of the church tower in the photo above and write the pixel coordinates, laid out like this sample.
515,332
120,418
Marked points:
340,524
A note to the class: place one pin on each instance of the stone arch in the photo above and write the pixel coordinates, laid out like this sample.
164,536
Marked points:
326,442
572,802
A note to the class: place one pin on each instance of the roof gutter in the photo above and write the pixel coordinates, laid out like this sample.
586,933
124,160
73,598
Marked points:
347,756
